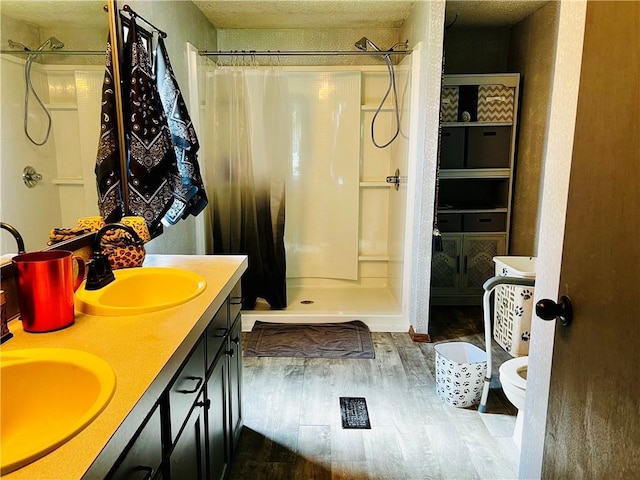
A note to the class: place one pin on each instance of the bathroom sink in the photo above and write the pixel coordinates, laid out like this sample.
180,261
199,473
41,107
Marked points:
48,396
141,290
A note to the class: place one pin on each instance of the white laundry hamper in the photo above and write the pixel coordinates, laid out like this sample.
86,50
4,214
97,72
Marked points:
513,305
460,371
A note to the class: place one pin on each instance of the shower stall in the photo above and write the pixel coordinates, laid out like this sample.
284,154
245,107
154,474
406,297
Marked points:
51,95
345,198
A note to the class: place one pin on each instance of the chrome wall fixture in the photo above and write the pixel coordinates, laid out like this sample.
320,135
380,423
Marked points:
30,177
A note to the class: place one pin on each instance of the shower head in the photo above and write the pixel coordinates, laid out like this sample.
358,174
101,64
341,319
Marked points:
52,42
364,44
22,46
55,43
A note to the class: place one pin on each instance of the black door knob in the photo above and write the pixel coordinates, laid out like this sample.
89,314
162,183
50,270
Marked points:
550,310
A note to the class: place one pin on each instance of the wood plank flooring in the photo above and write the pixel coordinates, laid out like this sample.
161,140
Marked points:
293,426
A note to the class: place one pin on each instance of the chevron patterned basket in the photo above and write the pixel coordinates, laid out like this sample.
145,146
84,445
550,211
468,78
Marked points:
495,103
449,104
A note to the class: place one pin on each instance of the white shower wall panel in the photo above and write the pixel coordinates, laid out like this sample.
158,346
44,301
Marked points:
322,196
31,210
375,162
397,206
74,103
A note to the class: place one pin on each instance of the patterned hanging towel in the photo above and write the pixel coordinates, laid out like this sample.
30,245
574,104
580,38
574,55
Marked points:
107,169
152,161
189,194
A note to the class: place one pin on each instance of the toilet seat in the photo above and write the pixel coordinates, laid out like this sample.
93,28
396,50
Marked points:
509,371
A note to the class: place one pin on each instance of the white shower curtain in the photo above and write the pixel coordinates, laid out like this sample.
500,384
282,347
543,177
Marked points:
249,146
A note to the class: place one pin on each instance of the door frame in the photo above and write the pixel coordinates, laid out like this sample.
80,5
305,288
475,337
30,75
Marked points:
555,188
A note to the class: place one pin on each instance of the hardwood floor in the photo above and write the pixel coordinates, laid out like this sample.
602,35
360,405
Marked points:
293,425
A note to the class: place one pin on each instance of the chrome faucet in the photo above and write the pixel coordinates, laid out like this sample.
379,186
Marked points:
99,271
12,230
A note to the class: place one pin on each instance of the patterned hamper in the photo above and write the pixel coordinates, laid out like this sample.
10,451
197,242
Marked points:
460,371
513,305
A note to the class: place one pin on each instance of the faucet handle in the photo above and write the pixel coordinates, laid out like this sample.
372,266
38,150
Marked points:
99,272
4,328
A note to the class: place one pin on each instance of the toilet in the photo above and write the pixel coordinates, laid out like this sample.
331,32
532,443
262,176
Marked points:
513,377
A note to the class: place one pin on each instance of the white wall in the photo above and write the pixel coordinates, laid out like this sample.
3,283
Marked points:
183,22
557,165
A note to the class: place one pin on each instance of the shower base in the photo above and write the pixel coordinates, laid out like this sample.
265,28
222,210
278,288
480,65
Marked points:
376,307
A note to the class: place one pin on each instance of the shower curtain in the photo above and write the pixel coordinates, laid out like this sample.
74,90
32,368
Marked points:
250,146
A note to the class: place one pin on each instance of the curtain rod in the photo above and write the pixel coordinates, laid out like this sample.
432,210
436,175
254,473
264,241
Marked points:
53,52
214,53
126,8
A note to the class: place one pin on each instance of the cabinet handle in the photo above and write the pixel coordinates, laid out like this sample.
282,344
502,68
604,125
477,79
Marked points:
204,404
148,471
198,381
466,263
457,263
236,340
231,353
236,300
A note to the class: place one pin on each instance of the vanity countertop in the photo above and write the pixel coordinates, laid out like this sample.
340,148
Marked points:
145,351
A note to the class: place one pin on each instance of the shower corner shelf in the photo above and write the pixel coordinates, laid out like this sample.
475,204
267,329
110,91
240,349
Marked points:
373,108
373,258
476,183
62,106
68,181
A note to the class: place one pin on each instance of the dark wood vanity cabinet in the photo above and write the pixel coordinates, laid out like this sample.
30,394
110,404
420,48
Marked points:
235,381
218,446
188,455
196,424
144,457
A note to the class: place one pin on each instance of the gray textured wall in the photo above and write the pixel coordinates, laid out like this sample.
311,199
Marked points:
531,53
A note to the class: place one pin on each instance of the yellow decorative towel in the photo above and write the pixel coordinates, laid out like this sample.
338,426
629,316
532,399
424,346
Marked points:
58,235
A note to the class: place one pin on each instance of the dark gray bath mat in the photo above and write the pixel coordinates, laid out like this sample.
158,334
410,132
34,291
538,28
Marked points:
311,340
354,413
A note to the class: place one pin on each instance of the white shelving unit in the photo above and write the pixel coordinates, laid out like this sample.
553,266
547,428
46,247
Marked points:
478,138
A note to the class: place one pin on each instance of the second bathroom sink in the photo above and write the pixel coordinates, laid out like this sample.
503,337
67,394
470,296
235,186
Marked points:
48,396
141,290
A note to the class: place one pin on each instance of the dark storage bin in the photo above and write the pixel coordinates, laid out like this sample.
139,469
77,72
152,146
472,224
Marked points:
484,222
488,147
473,193
450,222
452,147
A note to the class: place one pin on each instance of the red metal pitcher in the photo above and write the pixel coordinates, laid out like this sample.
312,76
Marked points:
46,284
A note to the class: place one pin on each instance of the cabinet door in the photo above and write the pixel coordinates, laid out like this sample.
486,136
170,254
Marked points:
186,388
188,457
235,381
445,266
477,263
216,334
142,460
218,449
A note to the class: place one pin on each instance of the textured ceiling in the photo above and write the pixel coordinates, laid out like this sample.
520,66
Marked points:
305,13
489,13
56,13
282,14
